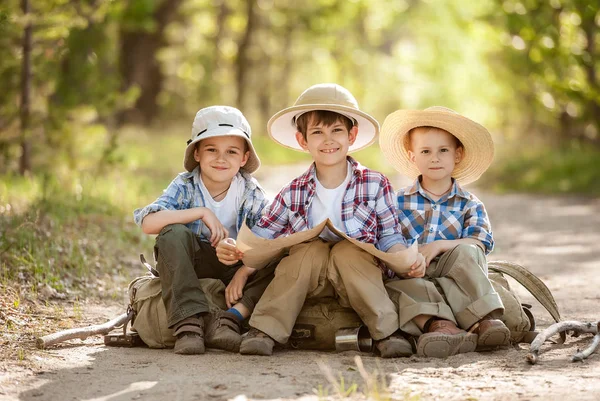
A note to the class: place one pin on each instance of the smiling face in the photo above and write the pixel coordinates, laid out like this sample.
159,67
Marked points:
220,158
327,143
435,152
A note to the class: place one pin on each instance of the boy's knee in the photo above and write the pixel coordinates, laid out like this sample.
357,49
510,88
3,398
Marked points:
345,253
469,251
172,234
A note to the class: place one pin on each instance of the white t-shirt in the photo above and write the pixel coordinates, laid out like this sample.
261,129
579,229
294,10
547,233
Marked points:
226,209
327,204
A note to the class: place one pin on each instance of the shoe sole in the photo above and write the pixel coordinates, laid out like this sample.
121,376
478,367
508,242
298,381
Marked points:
493,338
230,343
189,350
256,347
435,345
397,350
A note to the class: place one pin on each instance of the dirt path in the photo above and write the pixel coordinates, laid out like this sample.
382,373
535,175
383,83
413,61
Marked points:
557,238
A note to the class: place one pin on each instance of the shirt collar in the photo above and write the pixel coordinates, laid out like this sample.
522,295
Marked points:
456,190
311,174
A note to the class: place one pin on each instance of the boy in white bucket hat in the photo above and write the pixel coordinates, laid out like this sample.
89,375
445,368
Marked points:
326,122
199,208
441,150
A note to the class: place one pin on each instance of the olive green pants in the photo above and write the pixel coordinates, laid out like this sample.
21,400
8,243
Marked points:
182,259
455,287
319,269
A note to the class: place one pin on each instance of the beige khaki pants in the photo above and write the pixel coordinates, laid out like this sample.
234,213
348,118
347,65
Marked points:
320,269
455,287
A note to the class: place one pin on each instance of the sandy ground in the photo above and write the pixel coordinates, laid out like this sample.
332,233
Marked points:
555,237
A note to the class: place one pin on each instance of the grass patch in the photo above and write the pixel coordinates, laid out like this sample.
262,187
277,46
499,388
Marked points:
546,170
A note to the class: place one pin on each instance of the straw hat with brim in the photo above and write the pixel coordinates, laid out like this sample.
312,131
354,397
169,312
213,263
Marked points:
217,121
477,142
332,97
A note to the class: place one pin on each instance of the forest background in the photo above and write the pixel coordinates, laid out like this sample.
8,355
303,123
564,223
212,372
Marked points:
97,99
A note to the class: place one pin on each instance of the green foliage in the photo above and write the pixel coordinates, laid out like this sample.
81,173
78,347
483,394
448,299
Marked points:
547,170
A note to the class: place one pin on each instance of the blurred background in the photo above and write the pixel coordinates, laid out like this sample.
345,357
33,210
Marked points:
97,99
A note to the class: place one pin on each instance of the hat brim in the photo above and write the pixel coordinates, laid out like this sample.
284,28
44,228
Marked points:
478,145
253,163
282,129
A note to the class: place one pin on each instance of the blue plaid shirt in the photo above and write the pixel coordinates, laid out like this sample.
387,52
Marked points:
367,209
458,214
184,193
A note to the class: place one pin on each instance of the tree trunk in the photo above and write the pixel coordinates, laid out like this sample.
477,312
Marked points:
208,90
139,66
243,62
25,162
589,27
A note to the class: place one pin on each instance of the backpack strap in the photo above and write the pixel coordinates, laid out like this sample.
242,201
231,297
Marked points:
532,283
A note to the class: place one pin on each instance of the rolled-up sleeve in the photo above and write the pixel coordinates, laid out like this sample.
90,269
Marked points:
389,233
175,197
274,221
477,225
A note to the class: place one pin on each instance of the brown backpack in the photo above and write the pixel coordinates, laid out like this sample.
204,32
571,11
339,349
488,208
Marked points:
320,319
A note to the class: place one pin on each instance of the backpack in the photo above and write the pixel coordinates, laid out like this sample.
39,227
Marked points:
149,312
320,319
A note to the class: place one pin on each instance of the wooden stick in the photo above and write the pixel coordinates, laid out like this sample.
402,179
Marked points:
83,332
567,325
580,356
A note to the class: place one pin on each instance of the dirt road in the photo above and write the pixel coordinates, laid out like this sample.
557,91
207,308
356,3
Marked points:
556,238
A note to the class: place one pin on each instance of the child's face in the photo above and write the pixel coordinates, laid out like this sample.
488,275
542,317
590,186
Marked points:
435,153
220,158
327,144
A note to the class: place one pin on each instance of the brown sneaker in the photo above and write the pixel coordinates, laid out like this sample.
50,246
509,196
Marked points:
493,333
444,339
222,331
394,346
255,342
190,336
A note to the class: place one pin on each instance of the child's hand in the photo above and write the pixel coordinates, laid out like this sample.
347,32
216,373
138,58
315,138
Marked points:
430,251
235,288
227,252
417,269
217,230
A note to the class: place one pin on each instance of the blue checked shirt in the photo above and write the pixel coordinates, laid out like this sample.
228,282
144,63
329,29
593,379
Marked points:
367,209
184,193
458,214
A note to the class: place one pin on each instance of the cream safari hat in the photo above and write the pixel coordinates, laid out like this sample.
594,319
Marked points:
220,121
478,145
332,97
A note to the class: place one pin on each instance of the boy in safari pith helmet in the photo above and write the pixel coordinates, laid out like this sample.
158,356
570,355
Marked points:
326,122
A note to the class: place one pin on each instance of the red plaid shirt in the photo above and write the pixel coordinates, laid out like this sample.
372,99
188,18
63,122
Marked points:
368,209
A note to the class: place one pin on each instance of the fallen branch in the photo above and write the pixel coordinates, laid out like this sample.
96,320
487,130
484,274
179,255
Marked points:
568,325
83,332
580,356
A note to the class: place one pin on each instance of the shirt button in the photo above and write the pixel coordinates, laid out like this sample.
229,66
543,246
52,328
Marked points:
430,229
434,207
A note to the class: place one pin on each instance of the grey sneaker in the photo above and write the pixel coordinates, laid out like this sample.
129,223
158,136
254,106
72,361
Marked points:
222,331
394,346
255,342
190,336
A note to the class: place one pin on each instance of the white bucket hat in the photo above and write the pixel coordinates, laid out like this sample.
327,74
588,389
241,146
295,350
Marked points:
477,142
216,121
332,97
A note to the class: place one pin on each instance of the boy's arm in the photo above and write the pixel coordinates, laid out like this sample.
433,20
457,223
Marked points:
477,227
389,236
274,221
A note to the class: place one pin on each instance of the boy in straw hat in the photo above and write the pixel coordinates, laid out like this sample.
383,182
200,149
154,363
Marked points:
199,208
443,150
326,122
